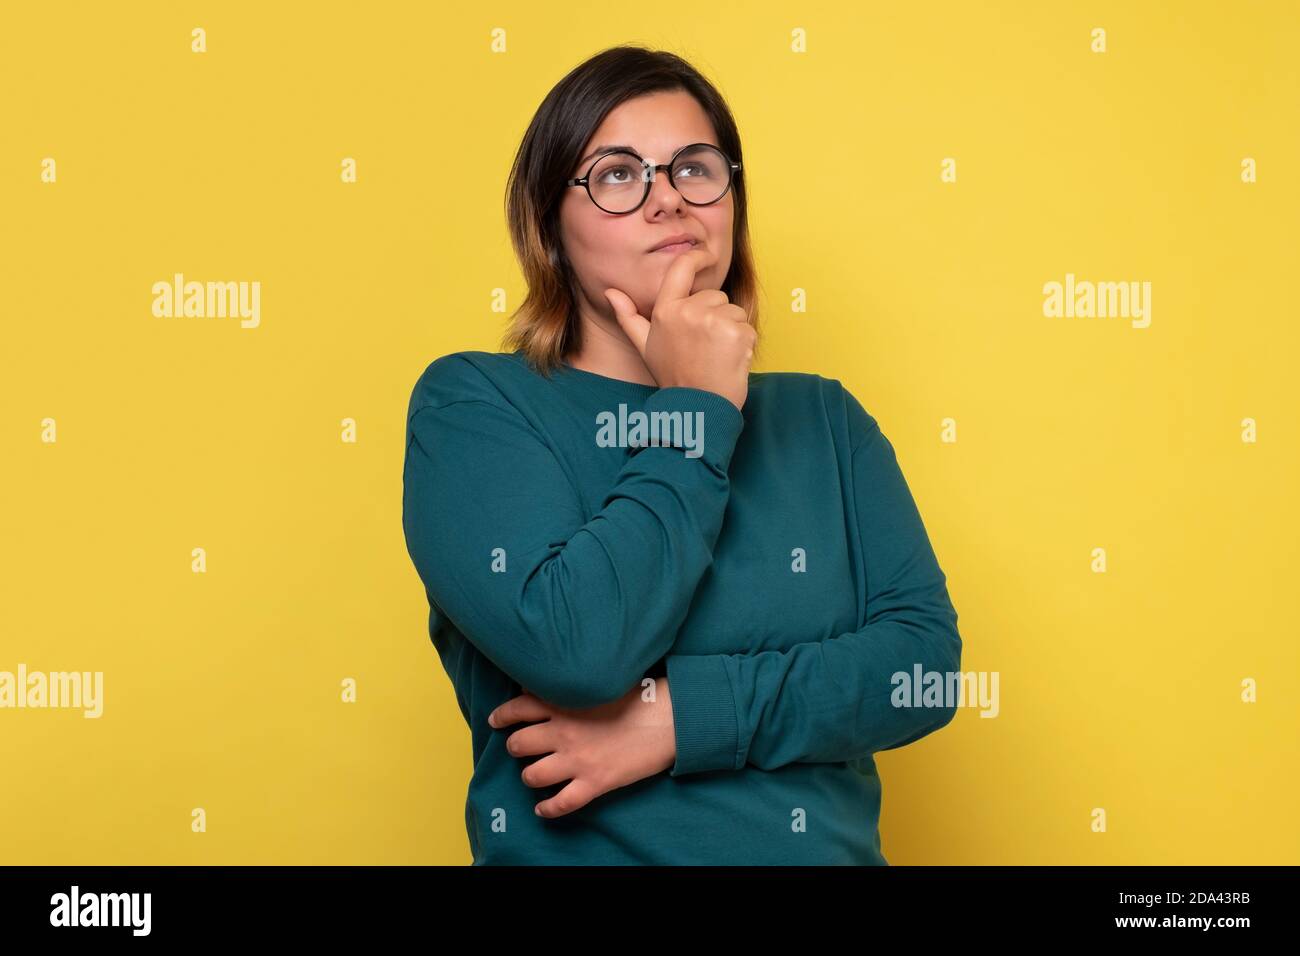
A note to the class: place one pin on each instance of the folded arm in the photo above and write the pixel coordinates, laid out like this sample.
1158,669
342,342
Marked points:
574,609
832,700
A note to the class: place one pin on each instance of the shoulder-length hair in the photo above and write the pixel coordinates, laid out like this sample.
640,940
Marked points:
546,326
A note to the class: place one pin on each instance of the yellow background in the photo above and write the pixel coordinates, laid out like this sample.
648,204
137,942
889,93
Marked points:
222,690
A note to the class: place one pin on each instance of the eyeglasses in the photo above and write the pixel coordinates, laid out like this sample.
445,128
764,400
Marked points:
619,181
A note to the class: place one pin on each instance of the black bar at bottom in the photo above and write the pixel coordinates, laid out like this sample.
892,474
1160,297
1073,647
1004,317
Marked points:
538,904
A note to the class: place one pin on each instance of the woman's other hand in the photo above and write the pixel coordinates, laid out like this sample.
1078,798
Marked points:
599,748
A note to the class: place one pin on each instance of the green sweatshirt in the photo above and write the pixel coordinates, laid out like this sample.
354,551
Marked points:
772,564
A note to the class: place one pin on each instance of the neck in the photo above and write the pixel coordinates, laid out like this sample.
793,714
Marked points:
605,349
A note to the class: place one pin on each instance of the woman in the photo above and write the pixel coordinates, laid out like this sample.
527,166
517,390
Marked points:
672,594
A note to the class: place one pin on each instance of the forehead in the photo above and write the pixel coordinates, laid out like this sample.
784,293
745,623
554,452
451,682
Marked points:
655,125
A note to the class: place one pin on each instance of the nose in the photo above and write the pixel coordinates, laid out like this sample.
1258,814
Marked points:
658,195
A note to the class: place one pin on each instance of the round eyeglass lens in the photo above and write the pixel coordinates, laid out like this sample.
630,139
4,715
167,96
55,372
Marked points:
700,174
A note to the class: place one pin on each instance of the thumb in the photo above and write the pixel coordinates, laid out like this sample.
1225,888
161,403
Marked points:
634,325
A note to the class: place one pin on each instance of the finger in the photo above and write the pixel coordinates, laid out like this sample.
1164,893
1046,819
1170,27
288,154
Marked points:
734,311
634,325
547,772
681,274
573,797
712,299
532,740
524,707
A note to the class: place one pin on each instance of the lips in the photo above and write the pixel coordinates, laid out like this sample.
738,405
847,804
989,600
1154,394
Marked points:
676,247
677,243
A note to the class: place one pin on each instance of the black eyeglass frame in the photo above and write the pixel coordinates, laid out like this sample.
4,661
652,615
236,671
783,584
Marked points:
649,173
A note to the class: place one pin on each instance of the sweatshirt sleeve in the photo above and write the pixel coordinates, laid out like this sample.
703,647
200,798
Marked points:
831,700
573,608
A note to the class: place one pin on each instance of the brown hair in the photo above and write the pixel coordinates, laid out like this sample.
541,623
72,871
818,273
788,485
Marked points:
545,326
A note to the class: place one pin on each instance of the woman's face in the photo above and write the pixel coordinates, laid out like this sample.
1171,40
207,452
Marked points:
613,251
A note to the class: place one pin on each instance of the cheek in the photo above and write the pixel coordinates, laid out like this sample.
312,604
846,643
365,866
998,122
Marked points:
720,238
606,256
592,260
601,245
720,226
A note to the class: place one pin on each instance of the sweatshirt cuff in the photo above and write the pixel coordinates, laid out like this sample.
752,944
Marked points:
704,713
714,426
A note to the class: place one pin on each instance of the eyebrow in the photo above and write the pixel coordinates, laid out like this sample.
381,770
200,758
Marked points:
610,149
602,149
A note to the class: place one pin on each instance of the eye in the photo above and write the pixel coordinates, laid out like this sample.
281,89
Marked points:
616,175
